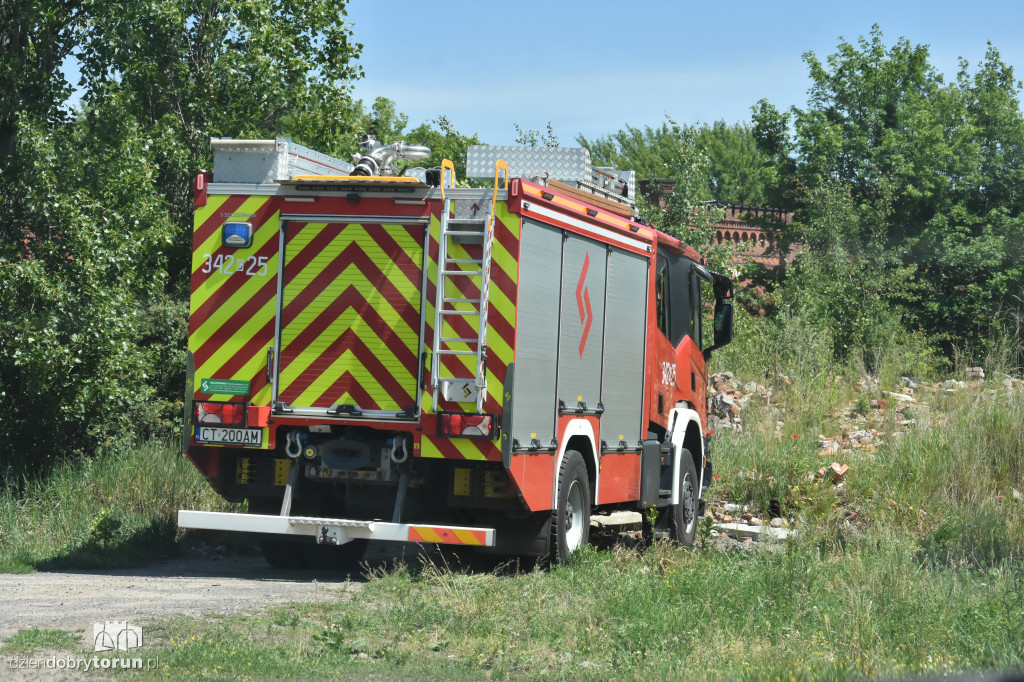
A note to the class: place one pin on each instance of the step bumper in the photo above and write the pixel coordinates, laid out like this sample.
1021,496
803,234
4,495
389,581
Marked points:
336,531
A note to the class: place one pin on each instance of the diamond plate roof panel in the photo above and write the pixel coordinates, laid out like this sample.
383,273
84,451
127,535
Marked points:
560,163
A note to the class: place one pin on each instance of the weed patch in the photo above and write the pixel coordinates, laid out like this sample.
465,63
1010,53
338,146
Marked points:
33,640
115,510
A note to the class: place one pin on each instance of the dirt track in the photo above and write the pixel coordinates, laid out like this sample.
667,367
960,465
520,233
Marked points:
74,600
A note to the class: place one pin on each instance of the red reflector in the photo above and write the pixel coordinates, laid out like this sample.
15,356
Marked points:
220,413
258,415
467,425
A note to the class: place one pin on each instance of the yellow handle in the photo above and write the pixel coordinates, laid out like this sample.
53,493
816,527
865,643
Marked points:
445,163
498,166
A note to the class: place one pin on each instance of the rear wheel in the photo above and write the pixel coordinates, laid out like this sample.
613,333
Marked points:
570,519
284,554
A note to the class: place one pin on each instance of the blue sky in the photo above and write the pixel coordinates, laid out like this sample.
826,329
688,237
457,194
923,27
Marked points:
594,67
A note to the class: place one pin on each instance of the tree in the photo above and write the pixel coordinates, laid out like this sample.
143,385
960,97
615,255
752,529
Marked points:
535,138
673,152
445,142
242,68
35,39
95,206
734,169
736,164
943,160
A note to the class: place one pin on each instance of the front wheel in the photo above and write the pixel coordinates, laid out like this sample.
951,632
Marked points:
570,519
683,516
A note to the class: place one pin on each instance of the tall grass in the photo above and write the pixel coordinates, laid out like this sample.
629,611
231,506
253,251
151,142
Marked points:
913,566
116,509
797,614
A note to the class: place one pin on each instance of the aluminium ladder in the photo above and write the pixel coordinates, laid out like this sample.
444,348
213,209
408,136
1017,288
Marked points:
451,303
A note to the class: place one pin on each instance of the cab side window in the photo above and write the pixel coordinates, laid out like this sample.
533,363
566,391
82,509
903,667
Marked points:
678,304
661,289
695,309
679,298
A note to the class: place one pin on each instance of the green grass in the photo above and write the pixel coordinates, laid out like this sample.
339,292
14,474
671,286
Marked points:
33,641
913,566
116,510
871,611
927,579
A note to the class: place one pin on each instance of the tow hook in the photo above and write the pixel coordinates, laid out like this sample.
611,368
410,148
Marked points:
396,456
293,446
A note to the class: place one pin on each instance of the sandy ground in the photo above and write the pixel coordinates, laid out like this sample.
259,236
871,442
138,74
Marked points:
74,601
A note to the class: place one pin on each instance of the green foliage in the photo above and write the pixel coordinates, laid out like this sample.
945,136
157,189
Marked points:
95,207
737,165
184,73
84,252
37,37
536,138
672,152
917,183
384,121
445,142
669,151
387,124
105,527
869,611
720,162
116,510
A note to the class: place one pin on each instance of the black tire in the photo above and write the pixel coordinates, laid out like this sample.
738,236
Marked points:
570,519
283,554
682,520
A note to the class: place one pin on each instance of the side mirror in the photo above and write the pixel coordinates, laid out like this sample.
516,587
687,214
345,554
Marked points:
722,286
723,313
723,323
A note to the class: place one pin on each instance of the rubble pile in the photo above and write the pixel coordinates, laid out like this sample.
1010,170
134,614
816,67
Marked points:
727,397
738,523
862,428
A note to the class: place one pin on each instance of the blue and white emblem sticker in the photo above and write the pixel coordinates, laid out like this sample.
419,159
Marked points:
237,235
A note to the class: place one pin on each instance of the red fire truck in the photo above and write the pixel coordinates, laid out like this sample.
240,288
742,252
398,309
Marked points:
384,355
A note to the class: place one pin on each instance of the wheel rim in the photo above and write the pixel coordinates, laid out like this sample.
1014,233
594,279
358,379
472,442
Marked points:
689,503
574,516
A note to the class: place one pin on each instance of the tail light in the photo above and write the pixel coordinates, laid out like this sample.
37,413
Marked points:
467,425
231,414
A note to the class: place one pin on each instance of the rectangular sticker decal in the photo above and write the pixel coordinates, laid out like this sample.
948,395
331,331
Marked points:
225,386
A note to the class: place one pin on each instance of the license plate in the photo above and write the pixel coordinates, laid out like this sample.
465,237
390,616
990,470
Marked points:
226,436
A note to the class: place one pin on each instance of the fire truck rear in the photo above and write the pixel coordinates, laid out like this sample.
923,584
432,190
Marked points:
385,356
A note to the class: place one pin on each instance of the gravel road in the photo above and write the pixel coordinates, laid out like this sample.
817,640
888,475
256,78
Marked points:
74,600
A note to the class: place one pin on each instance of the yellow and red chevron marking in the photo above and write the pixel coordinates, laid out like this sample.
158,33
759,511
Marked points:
232,309
500,322
459,448
449,536
351,315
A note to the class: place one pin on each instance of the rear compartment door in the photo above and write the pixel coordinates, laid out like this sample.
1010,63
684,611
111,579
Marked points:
350,317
